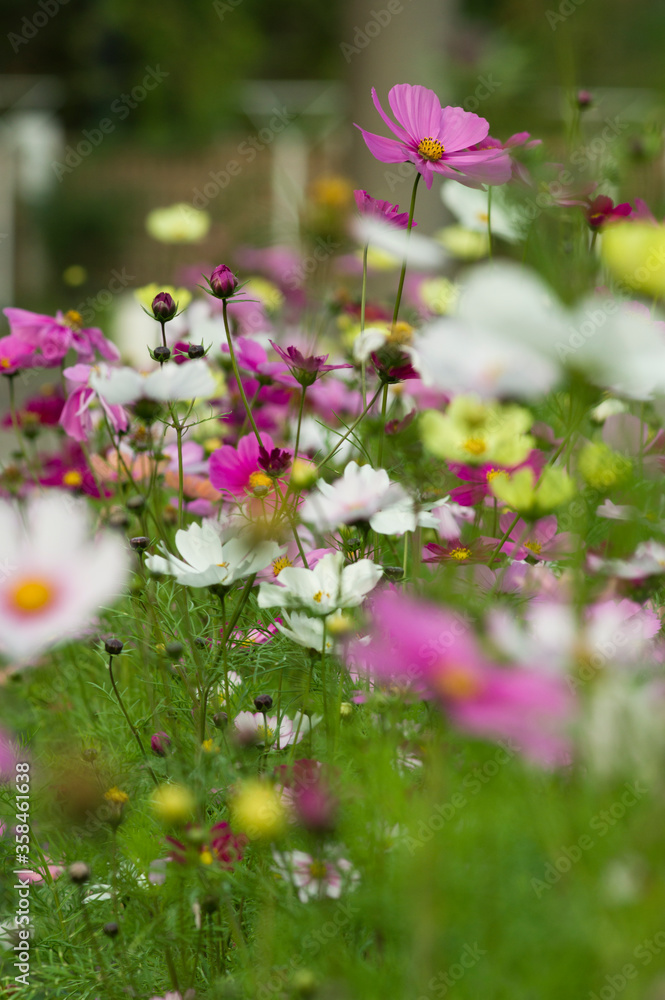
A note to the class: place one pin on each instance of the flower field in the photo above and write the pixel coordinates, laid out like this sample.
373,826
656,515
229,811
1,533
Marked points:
331,652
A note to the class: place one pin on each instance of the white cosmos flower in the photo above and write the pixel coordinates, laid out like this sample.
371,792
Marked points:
54,575
327,587
459,357
615,346
207,559
419,251
469,206
359,495
306,631
254,727
168,383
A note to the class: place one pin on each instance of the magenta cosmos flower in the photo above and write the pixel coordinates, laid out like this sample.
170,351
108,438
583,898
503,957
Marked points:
375,208
305,368
436,139
238,470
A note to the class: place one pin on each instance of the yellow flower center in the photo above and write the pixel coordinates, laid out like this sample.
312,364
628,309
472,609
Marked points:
259,483
222,565
482,217
430,149
458,684
206,857
5,363
73,319
533,546
459,553
493,473
400,333
318,596
280,564
31,595
72,478
475,445
116,795
318,869
266,734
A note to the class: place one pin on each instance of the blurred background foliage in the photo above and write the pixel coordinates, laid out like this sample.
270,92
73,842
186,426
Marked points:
535,53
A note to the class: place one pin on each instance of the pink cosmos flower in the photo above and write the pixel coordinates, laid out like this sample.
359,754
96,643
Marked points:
237,470
539,540
379,209
315,878
14,354
50,338
522,705
76,418
305,369
38,875
43,410
479,478
69,470
437,140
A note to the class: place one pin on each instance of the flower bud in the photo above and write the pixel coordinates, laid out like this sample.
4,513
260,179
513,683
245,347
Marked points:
163,307
111,930
135,503
584,100
263,703
79,872
223,282
346,710
221,720
160,743
161,354
139,543
174,650
113,646
196,351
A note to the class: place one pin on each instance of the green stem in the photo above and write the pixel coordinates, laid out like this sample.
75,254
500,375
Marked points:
503,540
129,721
181,472
236,373
408,232
489,220
363,302
384,406
300,412
351,428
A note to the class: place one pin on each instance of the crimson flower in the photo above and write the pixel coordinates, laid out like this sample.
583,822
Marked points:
305,370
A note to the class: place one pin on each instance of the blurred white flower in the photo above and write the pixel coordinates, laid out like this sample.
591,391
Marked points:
54,575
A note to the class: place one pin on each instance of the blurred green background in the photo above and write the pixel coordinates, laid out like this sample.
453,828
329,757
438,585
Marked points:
70,66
